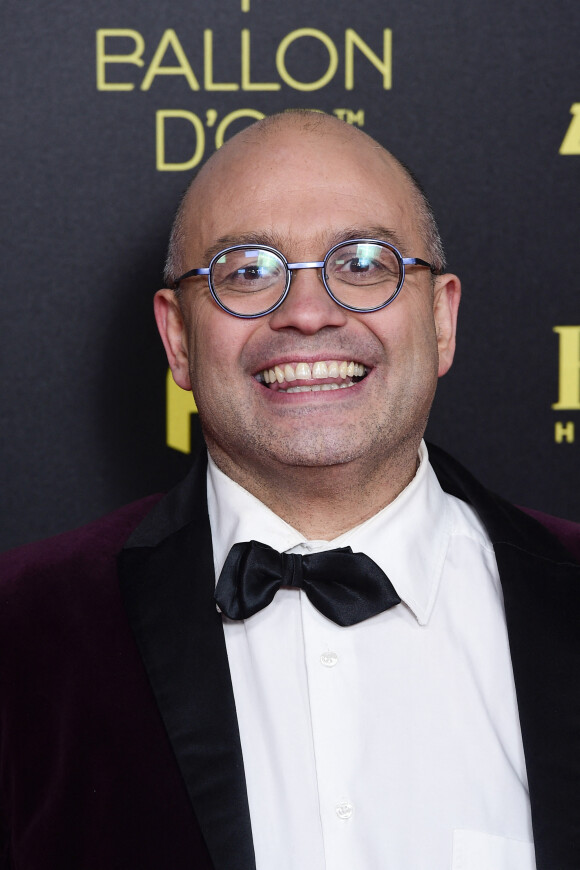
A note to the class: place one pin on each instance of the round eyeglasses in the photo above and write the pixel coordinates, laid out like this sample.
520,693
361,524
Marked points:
361,275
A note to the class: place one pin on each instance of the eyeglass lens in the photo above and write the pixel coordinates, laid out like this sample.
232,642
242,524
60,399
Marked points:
360,275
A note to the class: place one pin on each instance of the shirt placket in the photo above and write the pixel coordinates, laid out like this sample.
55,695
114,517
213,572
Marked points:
331,671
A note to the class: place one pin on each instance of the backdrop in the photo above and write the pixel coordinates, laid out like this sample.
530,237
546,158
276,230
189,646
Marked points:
109,106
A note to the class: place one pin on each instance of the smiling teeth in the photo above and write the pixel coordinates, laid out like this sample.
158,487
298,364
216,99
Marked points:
303,371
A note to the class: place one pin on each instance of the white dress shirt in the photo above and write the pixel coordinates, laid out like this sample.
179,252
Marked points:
393,744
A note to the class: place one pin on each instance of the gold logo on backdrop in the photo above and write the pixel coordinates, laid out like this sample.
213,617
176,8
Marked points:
170,44
564,432
571,142
121,66
569,369
568,381
179,406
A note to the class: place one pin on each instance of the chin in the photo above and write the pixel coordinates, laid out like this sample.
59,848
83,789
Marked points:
317,451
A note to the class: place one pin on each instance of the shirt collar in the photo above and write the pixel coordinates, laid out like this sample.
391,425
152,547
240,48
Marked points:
408,538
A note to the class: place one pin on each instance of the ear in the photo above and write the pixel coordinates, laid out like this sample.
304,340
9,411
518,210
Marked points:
172,330
446,298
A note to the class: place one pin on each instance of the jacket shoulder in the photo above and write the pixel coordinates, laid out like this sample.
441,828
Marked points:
87,550
567,532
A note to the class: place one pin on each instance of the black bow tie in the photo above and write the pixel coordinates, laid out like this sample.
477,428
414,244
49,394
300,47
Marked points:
346,587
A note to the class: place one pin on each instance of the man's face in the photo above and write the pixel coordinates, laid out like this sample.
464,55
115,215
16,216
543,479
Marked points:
303,192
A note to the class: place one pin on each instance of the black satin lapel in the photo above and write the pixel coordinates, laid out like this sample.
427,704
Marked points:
541,588
168,589
542,606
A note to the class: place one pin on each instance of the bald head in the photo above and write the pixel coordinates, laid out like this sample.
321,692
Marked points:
252,145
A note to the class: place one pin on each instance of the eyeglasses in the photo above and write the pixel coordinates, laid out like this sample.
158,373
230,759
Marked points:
361,275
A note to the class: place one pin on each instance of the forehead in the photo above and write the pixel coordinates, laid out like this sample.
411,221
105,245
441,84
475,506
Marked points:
301,189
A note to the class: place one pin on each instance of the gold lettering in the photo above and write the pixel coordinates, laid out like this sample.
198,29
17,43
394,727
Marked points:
247,84
103,59
569,369
564,433
183,68
229,119
571,142
179,406
281,59
160,118
351,117
351,38
208,81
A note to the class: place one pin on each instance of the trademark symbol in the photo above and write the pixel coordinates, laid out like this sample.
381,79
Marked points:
350,116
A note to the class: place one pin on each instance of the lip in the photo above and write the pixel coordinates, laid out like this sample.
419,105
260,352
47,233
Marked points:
273,392
320,397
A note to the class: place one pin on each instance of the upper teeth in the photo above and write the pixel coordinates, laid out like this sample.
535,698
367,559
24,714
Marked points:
303,371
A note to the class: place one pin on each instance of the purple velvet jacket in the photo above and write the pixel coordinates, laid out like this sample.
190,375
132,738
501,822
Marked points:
119,745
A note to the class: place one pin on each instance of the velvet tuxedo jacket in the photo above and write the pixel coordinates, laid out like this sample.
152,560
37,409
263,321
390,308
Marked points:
119,745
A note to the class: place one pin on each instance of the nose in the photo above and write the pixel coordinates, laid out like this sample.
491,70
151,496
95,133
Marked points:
307,307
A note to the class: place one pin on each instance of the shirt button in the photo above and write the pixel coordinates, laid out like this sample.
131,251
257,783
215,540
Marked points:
329,659
344,810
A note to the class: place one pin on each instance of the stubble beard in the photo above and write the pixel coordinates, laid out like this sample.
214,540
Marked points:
262,457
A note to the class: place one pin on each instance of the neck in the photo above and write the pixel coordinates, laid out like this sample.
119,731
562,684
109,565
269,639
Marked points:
324,502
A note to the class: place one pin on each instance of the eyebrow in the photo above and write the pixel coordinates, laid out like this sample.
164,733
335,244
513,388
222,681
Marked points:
380,233
229,241
271,240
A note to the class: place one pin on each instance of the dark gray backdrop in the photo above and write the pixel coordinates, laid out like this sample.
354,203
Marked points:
479,105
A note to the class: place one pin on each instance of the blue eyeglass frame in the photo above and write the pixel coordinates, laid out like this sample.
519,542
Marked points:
291,267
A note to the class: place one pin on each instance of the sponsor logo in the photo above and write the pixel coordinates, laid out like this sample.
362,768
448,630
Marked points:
209,62
568,382
571,141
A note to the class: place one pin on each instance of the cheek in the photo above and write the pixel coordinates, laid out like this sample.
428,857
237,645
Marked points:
408,330
216,343
411,353
421,320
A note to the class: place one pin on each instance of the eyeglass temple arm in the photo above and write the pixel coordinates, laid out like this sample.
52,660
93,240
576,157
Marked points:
416,261
191,274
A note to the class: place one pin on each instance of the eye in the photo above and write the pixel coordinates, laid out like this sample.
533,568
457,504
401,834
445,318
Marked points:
364,264
248,271
359,264
255,273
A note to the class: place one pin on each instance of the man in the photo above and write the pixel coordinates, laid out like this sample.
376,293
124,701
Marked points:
416,710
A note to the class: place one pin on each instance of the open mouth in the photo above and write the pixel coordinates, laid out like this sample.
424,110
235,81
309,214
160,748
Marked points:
292,377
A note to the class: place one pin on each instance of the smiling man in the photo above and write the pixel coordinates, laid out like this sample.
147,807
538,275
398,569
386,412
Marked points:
332,647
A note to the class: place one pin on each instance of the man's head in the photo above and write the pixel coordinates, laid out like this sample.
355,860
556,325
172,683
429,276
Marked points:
301,183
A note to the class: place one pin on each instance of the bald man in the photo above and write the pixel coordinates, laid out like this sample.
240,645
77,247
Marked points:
329,647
